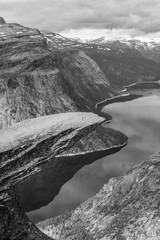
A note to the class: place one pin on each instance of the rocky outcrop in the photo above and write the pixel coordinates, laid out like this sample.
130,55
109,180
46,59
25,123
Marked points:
45,185
126,208
25,150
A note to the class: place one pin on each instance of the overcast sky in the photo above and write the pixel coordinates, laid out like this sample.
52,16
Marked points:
86,17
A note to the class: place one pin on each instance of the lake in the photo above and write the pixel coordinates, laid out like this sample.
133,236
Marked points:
139,119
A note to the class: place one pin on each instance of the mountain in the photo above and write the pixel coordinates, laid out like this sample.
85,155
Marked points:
121,61
42,152
148,49
24,149
36,80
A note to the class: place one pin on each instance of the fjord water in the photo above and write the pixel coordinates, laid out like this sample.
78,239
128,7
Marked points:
140,121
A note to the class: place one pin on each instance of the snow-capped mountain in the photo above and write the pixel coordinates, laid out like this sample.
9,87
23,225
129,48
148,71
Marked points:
149,49
124,61
119,46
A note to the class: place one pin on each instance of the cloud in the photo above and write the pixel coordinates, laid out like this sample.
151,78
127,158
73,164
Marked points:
63,15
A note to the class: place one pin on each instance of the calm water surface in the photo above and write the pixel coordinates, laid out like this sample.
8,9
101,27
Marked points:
140,121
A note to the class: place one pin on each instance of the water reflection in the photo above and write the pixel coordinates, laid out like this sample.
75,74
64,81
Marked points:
140,121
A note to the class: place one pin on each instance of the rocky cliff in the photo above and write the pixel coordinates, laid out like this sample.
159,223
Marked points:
37,81
28,150
44,186
37,155
126,208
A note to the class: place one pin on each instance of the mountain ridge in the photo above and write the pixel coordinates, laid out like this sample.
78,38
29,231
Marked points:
121,63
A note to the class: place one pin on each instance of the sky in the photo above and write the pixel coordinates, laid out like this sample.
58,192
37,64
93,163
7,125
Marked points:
87,18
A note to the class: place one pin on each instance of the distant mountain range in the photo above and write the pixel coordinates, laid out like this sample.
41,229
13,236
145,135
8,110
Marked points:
123,61
149,49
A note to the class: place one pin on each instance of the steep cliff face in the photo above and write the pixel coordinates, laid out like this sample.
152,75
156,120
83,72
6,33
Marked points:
36,81
126,208
25,150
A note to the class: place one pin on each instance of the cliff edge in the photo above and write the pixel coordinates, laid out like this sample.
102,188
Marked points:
25,150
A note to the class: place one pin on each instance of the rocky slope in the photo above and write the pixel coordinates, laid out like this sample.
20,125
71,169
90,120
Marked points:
37,81
122,62
126,208
25,150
